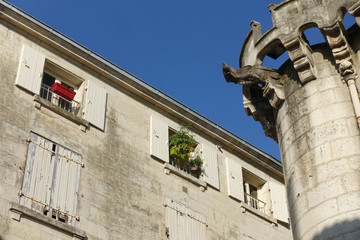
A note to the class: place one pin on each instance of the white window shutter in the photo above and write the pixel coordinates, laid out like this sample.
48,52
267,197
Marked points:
210,166
159,139
30,70
95,105
279,201
235,179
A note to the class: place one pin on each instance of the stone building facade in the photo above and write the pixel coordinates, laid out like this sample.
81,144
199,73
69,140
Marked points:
96,165
310,106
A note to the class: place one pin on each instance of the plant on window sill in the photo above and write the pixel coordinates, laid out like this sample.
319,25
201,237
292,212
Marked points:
182,146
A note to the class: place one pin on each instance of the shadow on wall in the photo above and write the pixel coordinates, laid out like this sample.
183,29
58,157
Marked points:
349,230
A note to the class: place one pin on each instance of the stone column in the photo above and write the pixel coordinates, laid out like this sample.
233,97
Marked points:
320,151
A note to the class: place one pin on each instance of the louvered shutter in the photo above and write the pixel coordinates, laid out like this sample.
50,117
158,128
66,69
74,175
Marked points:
175,220
195,225
210,169
235,179
30,70
65,184
38,173
279,201
159,139
51,179
95,105
183,223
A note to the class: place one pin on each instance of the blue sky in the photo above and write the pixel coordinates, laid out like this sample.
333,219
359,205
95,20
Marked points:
176,46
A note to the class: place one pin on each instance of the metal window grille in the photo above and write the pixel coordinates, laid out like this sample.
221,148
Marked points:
51,179
254,202
70,106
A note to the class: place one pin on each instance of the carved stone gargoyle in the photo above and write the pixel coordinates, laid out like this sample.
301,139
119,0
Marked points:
262,92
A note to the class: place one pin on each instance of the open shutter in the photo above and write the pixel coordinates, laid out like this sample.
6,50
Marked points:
279,202
30,70
235,179
95,105
159,139
211,170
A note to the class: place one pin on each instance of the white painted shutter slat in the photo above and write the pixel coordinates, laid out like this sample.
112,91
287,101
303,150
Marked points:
95,106
279,201
235,179
159,139
211,170
78,158
28,175
30,70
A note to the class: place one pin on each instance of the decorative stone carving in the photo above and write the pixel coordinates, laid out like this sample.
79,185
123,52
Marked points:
345,68
337,42
262,92
300,54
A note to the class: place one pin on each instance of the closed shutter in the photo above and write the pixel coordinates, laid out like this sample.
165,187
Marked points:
195,225
38,173
235,179
210,169
159,139
30,70
51,179
183,223
65,182
279,202
95,106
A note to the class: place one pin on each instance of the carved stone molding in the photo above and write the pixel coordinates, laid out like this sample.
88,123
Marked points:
337,42
300,54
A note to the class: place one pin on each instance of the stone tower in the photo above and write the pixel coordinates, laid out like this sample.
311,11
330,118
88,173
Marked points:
310,106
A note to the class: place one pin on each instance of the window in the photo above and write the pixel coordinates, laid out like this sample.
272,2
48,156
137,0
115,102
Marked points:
51,179
37,74
159,149
65,102
269,197
182,223
253,191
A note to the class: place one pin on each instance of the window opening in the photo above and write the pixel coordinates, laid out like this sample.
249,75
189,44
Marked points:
270,62
313,36
184,152
253,186
349,21
46,92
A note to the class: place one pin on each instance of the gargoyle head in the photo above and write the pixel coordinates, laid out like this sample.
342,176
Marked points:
243,76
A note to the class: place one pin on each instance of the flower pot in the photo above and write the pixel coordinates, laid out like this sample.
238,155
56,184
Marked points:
195,168
63,91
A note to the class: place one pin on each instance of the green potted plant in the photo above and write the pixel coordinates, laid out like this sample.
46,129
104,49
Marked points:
196,163
182,146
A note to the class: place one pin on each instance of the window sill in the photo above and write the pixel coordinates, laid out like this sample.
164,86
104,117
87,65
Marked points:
260,214
39,101
169,168
18,211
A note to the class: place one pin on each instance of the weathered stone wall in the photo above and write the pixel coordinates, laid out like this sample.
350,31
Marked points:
320,150
122,189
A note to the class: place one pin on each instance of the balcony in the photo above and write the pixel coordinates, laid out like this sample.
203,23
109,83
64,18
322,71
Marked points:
254,202
70,106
